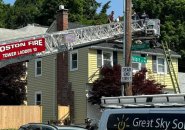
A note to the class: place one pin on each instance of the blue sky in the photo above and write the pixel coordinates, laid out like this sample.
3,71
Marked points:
116,5
9,1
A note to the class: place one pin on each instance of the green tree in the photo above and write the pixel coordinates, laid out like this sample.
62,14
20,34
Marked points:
48,11
90,8
22,13
43,12
102,17
81,11
12,84
3,9
172,15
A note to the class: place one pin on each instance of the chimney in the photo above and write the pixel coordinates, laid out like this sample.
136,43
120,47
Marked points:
64,93
62,18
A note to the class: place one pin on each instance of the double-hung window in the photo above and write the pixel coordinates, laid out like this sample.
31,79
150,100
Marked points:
107,58
38,98
74,60
159,65
38,67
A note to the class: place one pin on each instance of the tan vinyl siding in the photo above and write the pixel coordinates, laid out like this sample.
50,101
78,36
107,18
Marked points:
46,84
79,78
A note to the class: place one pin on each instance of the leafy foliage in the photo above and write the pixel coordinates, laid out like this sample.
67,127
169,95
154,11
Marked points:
48,11
12,86
172,15
143,86
109,84
3,9
23,13
43,12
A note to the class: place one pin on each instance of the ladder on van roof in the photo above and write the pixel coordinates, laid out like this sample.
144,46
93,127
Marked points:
158,100
173,75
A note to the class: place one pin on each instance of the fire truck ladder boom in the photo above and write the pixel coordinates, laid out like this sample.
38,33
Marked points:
66,40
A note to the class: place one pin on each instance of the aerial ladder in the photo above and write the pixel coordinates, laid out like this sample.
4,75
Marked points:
173,76
68,39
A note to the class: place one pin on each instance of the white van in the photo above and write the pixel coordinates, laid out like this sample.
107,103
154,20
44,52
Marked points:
143,119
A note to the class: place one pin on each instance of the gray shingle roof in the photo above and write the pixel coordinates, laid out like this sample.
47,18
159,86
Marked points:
29,30
53,27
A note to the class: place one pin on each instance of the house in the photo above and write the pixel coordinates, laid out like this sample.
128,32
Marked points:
65,78
157,66
83,66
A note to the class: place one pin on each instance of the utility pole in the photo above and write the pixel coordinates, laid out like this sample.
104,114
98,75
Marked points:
128,43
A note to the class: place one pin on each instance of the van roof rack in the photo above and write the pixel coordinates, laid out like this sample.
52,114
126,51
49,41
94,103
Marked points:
142,101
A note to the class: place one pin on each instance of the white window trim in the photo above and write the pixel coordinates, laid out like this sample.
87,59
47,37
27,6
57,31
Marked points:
36,60
111,57
71,53
165,65
36,93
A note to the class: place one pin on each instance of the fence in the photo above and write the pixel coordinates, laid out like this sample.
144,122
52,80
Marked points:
63,113
15,116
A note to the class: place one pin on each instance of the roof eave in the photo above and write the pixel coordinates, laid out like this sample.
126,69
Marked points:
138,52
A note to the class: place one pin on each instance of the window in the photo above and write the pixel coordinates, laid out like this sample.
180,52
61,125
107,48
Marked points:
107,59
38,67
161,65
38,98
74,60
